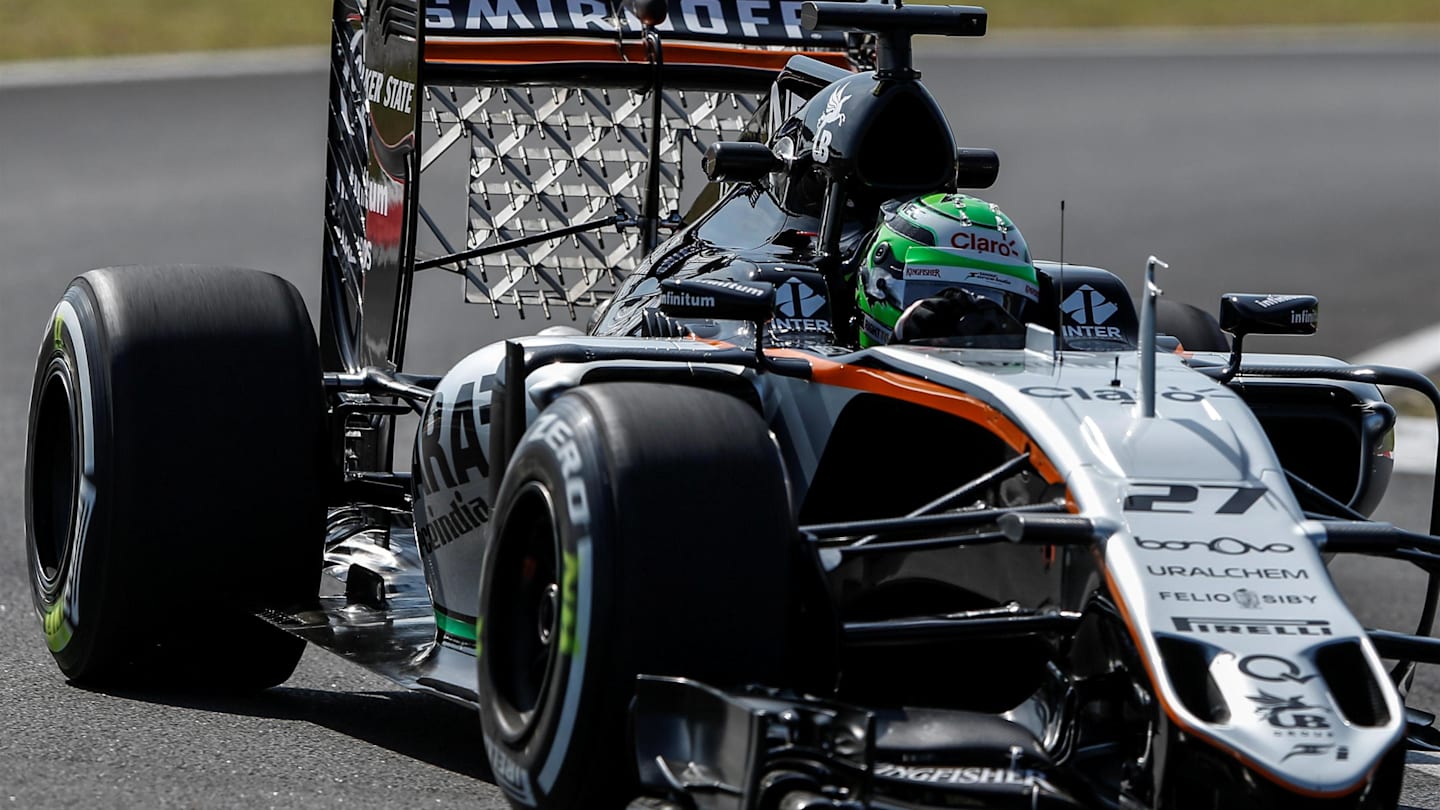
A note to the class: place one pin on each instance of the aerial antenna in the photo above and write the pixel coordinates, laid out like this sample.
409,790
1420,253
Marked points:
1062,235
1060,293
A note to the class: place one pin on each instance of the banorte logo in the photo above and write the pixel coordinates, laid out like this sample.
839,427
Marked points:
968,240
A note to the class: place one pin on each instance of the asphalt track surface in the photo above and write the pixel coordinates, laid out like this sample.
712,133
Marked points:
1252,168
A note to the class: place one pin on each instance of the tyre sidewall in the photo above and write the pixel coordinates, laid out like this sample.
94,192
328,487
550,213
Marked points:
542,766
68,605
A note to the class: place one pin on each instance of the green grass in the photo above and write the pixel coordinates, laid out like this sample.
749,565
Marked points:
49,29
53,29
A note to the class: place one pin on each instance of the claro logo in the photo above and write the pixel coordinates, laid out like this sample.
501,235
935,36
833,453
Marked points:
967,240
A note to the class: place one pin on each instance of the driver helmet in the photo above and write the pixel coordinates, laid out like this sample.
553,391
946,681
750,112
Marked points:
949,247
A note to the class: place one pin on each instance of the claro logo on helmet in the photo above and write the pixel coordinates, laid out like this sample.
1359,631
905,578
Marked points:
969,240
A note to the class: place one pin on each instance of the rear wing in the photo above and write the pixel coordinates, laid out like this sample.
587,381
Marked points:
726,22
532,123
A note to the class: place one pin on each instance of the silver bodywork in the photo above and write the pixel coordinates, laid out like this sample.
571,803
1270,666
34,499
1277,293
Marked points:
1209,544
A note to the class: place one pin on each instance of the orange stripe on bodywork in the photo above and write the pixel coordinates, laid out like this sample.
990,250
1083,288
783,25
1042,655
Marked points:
1152,672
518,52
930,395
969,408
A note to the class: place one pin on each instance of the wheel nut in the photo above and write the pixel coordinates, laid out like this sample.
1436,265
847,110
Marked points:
549,609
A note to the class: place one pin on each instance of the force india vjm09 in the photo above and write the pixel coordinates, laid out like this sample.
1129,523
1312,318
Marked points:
839,501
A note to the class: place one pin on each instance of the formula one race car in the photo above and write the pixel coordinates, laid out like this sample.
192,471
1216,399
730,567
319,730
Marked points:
658,555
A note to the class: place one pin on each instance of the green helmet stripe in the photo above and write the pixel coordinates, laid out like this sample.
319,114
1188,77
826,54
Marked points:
966,210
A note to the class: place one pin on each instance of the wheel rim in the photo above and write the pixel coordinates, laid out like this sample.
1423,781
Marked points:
522,623
53,480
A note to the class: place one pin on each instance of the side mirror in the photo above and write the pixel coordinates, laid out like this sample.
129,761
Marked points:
976,168
713,298
1243,314
739,161
731,300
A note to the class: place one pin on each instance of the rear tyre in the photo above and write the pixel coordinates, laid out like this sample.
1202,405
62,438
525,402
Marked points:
173,476
640,528
1196,329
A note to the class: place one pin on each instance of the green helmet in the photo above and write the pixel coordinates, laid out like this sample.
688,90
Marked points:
936,243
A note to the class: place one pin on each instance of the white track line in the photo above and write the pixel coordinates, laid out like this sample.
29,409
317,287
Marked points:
1420,351
1415,445
1415,437
1425,762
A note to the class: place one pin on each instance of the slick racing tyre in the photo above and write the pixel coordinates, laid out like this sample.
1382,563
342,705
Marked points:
172,476
640,528
1196,329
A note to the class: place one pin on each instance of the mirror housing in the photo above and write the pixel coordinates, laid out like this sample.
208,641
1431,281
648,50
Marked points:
1244,314
976,168
753,302
739,161
713,298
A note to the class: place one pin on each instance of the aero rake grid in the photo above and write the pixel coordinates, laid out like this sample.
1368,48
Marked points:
543,158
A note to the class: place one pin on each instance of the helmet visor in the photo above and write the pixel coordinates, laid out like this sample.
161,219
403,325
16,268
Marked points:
928,271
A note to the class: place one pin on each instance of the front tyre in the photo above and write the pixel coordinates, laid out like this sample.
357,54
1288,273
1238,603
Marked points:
640,528
173,475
